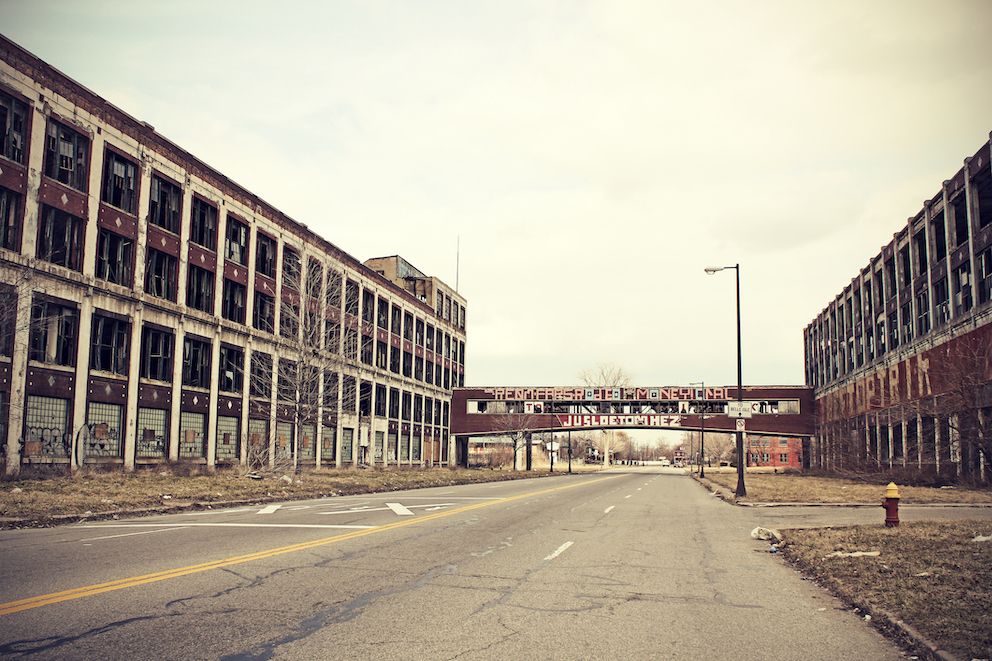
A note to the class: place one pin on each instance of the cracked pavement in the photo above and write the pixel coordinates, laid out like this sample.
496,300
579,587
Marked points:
586,572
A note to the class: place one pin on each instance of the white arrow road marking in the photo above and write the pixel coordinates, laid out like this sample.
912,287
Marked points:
609,509
399,510
269,509
128,534
216,512
224,525
558,551
628,496
354,510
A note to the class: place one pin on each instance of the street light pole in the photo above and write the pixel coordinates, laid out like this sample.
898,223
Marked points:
702,429
741,489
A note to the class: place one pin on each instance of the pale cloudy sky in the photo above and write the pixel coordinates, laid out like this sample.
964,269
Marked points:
593,157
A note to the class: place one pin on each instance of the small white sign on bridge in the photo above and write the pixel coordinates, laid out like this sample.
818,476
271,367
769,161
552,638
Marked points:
738,409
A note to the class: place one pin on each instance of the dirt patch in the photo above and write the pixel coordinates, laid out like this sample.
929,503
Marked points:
43,502
932,576
793,488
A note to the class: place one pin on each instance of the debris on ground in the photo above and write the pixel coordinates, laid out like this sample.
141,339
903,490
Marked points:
766,533
982,538
853,554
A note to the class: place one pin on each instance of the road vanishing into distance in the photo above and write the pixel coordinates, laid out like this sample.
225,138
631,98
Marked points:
638,563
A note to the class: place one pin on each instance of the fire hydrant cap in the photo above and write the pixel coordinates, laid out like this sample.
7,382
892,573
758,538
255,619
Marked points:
892,491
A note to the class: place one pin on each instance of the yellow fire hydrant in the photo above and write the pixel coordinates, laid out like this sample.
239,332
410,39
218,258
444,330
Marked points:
891,505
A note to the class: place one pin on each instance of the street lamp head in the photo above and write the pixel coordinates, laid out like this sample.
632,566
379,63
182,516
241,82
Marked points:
714,269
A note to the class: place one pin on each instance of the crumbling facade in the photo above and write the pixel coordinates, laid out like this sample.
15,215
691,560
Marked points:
152,310
901,359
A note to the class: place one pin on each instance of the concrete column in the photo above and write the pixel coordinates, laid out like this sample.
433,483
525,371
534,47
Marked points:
937,433
81,375
904,426
919,441
955,442
133,384
243,438
211,430
18,379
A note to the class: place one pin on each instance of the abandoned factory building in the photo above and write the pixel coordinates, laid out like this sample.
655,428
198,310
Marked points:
153,310
900,359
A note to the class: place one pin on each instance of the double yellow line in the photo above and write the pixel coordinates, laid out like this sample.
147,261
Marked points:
90,590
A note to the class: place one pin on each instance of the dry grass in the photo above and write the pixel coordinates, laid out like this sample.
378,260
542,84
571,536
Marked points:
100,494
930,575
793,488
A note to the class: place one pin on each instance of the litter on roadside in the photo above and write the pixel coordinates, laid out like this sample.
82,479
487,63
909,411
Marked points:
853,554
982,538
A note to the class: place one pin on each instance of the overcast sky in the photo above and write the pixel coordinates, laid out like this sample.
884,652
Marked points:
593,157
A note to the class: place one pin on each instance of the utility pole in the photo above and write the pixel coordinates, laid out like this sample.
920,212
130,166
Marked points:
569,451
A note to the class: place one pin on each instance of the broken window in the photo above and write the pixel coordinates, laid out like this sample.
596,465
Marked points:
113,257
46,426
351,297
120,182
153,432
907,322
156,354
192,435
332,336
428,372
960,208
200,289
105,423
10,219
380,400
333,290
196,362
382,314
905,266
418,368
233,302
203,224
890,278
110,341
315,278
289,319
408,326
430,337
330,400
54,327
365,399
984,275
160,274
939,239
66,155
265,255
289,376
418,408
165,204
236,242
382,355
407,364
232,368
264,313
397,320
261,375
394,359
368,306
920,245
983,191
962,288
394,403
940,301
60,238
351,343
368,346
419,333
922,313
291,269
13,127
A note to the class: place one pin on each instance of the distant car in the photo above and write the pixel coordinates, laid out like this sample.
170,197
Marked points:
666,462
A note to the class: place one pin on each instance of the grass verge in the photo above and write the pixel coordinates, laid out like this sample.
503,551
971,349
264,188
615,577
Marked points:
96,495
930,575
793,488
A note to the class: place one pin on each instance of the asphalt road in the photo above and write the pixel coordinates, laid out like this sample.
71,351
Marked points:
625,564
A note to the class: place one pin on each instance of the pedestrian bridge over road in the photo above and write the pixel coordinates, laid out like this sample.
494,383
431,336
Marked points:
504,410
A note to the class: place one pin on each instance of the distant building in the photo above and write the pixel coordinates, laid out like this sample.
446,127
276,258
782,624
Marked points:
775,452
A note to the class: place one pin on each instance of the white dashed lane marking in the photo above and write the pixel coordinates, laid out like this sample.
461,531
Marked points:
609,509
269,509
558,551
128,534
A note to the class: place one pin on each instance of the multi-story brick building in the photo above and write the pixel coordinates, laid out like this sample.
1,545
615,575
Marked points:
901,359
153,310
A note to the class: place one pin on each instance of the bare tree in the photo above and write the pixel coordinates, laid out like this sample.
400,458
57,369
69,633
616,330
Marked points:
514,427
606,375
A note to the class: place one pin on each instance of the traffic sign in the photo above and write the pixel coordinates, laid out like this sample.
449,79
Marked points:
740,424
738,409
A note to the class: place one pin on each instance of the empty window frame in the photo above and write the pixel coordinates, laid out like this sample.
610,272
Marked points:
394,359
984,275
160,274
330,399
232,368
265,255
368,349
380,400
922,313
407,364
156,354
234,301
315,279
349,394
394,403
165,204
382,355
368,306
13,127
111,338
920,248
264,314
397,320
66,155
428,372
430,337
962,288
120,182
983,191
291,269
382,314
196,362
419,333
53,332
418,368
351,343
289,319
11,215
60,238
203,224
960,208
940,302
939,237
236,241
351,297
260,384
332,336
114,256
905,266
334,290
289,376
408,326
200,289
906,312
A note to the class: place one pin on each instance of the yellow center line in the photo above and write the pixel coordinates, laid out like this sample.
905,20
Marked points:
89,590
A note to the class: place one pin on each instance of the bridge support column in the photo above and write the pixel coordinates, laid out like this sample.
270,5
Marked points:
529,450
